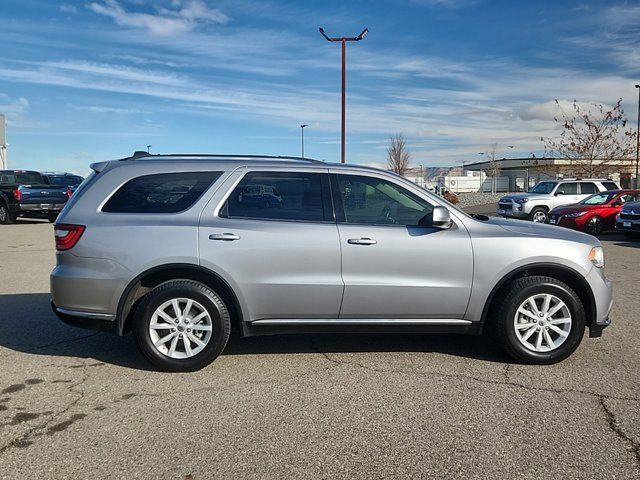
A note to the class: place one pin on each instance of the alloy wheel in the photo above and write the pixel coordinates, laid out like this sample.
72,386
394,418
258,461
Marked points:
542,322
539,217
180,328
594,226
3,214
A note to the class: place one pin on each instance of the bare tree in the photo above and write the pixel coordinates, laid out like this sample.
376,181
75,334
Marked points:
494,165
398,157
594,138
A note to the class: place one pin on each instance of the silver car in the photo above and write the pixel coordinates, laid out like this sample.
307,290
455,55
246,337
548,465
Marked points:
170,248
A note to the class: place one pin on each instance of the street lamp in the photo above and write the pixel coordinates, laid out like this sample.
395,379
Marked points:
344,41
302,139
638,138
148,147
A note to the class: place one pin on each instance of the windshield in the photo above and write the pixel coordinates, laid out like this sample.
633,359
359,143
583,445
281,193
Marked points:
599,199
543,187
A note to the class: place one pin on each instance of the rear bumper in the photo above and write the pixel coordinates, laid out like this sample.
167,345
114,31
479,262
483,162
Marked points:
88,320
41,207
632,225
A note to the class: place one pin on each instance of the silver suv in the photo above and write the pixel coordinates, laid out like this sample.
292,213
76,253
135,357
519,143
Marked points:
180,249
536,204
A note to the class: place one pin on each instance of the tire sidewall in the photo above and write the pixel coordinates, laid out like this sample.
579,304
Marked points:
577,322
182,289
540,210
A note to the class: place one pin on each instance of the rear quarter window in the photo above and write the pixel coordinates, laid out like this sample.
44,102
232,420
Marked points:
160,193
610,186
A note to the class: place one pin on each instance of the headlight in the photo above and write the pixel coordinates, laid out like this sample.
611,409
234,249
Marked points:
596,255
521,200
574,215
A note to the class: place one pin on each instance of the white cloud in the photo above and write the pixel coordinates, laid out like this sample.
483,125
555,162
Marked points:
68,8
179,17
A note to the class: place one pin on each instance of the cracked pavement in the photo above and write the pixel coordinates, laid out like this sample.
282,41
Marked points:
75,403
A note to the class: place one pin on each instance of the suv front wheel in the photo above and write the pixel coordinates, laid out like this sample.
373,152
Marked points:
541,320
181,326
539,215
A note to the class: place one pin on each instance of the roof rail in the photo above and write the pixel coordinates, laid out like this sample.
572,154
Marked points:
144,155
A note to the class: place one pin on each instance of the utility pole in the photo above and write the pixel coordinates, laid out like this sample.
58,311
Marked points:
302,139
343,41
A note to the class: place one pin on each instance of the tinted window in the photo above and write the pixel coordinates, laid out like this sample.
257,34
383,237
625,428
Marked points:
568,188
629,197
374,201
161,193
64,180
278,196
587,188
21,178
610,185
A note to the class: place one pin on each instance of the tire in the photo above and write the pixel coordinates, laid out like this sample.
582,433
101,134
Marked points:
148,326
539,215
52,217
594,226
539,352
6,217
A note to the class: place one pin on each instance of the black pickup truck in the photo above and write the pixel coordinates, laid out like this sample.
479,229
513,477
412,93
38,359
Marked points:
24,193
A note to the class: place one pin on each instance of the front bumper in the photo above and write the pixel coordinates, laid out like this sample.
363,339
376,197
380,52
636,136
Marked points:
511,209
602,289
625,225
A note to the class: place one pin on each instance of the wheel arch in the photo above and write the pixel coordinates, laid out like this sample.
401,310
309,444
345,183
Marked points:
560,272
155,276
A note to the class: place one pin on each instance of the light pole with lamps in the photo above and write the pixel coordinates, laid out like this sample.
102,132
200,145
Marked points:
344,41
638,139
302,137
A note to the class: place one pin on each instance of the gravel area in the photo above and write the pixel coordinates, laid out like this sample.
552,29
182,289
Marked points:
472,199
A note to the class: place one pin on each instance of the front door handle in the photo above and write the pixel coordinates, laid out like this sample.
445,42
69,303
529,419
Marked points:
225,237
362,241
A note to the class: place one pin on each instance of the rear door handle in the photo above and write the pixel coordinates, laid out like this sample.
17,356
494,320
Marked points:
225,237
362,241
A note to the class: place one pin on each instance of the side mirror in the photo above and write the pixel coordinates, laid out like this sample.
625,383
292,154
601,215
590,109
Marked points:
559,192
616,204
441,217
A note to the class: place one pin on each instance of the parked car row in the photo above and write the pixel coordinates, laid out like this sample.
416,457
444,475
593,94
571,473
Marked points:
588,205
26,193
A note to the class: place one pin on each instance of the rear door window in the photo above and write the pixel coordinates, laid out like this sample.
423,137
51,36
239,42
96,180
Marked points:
570,188
587,188
160,193
294,196
610,185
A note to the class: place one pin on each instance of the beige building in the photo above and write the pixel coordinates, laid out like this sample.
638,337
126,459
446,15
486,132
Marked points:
523,173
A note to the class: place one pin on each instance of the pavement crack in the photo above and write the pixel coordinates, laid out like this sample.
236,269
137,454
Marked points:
506,382
62,342
614,426
27,439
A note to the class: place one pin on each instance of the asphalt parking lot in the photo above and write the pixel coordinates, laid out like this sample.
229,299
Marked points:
80,404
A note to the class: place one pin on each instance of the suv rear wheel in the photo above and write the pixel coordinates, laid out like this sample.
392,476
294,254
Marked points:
541,320
181,326
539,215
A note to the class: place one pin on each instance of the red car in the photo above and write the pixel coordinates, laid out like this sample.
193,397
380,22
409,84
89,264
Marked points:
594,214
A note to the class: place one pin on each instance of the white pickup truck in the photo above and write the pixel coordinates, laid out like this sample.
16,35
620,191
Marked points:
545,196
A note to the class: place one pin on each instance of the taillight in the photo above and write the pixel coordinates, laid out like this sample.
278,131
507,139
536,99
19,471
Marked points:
69,193
67,236
17,194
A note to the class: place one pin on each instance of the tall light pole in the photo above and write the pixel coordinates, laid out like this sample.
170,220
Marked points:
638,139
344,41
302,137
149,148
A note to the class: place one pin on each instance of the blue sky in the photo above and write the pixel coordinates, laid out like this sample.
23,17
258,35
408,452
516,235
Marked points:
82,81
